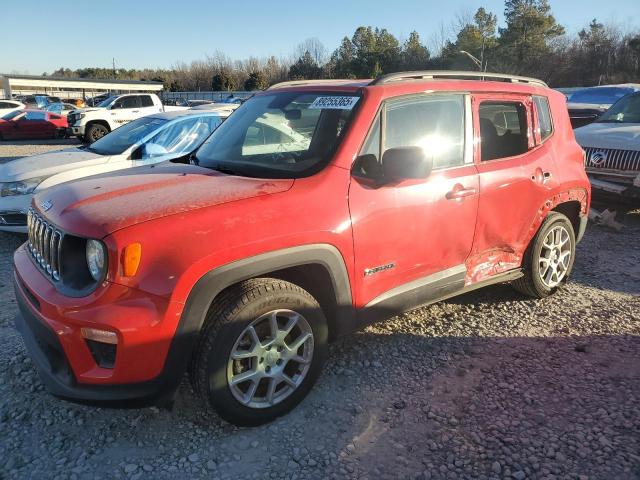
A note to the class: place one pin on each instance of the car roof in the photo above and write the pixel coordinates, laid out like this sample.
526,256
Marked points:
411,82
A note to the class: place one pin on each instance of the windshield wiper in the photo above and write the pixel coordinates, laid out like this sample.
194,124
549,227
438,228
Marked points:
225,170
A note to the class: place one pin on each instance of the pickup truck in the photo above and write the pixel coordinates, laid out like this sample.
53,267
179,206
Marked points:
91,124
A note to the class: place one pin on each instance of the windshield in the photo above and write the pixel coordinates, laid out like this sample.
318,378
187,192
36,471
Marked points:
107,101
626,110
279,135
600,95
123,137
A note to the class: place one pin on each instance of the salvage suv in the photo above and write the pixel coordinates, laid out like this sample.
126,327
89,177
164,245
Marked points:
239,268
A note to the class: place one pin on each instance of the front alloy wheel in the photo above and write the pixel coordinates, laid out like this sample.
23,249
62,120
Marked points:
261,349
270,359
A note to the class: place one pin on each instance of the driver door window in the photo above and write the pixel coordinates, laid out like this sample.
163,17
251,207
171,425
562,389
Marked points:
435,122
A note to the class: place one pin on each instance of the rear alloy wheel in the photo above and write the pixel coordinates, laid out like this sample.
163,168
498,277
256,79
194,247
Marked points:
95,132
261,349
548,261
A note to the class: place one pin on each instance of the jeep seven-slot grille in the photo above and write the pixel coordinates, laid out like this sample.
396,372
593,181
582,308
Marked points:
612,159
44,244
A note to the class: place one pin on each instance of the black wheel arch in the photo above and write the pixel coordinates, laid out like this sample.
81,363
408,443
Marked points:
318,268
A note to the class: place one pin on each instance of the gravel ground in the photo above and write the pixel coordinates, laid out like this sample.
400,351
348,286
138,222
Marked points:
19,148
490,385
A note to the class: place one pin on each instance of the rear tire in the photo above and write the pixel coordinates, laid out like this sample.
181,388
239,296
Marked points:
548,260
245,336
95,132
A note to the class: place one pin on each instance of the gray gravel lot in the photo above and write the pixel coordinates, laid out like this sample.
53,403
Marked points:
490,385
19,148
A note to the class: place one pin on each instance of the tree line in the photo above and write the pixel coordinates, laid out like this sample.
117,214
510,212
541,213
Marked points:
531,43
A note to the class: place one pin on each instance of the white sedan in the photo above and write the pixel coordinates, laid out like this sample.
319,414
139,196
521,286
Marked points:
147,140
8,106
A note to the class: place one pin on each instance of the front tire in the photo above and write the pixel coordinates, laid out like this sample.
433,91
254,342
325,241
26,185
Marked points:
261,350
95,132
548,260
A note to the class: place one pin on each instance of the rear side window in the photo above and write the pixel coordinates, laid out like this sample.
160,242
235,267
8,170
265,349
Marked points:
545,125
503,129
146,101
433,122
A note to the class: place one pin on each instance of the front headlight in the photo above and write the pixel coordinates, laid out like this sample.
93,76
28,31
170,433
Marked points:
23,187
96,259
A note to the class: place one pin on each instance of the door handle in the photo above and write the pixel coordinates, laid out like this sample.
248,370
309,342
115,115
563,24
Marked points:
460,192
134,111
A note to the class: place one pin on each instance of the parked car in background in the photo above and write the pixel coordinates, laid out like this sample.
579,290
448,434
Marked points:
145,141
94,101
240,268
196,103
612,150
27,123
36,101
175,102
61,108
588,104
217,107
93,123
8,106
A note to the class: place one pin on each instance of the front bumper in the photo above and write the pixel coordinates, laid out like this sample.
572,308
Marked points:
77,130
620,186
13,213
51,327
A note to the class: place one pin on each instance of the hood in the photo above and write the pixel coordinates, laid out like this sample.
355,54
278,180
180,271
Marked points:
103,204
601,107
88,109
621,136
46,164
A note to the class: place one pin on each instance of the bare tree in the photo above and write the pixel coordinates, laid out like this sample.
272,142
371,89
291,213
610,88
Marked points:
315,48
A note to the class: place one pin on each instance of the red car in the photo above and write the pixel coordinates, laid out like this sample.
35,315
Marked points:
316,208
21,124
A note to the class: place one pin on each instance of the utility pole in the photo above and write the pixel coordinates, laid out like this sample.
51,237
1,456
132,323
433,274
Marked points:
113,63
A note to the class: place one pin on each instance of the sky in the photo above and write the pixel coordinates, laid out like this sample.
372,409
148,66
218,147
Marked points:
160,33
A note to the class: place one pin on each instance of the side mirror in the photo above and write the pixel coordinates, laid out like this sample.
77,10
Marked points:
405,162
367,170
136,154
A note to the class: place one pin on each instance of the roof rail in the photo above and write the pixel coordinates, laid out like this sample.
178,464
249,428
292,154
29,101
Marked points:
299,83
452,74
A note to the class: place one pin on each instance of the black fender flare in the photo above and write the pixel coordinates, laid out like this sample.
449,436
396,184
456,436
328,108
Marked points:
215,281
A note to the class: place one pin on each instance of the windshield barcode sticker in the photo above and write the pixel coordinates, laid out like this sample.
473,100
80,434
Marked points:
334,102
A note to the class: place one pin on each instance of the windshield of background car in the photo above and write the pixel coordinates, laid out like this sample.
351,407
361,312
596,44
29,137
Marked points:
107,101
599,95
123,137
13,114
626,110
279,134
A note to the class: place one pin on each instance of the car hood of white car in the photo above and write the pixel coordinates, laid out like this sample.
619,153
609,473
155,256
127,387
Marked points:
46,164
620,136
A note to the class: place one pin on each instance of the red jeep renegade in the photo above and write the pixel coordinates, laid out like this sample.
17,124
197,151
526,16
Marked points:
316,208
